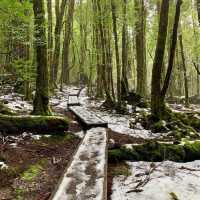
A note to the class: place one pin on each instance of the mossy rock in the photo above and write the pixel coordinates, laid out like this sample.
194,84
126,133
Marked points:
160,126
38,124
5,110
156,152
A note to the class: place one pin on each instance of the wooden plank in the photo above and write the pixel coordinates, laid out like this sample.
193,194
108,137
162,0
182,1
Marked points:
86,176
88,118
73,101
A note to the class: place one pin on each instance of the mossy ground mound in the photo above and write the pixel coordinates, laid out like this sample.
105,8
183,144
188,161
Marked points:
39,124
180,125
156,152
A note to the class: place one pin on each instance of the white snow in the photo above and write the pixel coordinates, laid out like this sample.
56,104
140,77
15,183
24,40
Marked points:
15,102
85,178
182,179
3,165
80,134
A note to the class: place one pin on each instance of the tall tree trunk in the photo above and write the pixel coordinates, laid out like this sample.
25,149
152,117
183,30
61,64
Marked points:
66,45
50,32
60,10
96,32
184,71
124,80
104,66
140,27
41,100
114,20
157,108
172,49
198,9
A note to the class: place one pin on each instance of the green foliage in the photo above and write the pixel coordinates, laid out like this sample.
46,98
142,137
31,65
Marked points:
24,69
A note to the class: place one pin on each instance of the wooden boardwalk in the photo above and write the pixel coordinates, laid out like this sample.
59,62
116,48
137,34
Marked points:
73,100
86,177
87,118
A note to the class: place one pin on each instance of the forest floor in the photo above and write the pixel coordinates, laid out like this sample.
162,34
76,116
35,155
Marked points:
46,157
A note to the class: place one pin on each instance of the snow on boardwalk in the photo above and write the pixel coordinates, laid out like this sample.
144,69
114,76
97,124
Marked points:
87,117
86,176
73,101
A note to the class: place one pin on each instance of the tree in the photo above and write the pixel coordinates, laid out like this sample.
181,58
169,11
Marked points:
66,44
41,100
157,107
140,38
124,80
158,94
60,10
184,71
50,31
114,21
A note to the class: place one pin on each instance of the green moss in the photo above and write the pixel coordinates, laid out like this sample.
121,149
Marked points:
192,151
41,124
19,193
5,110
154,151
150,151
173,196
121,169
32,172
159,126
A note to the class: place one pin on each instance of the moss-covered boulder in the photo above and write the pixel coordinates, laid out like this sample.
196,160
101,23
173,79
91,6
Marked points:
39,124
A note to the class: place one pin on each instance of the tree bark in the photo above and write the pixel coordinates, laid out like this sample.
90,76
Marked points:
41,100
172,49
66,45
157,108
140,39
184,71
114,20
50,32
58,28
124,79
198,9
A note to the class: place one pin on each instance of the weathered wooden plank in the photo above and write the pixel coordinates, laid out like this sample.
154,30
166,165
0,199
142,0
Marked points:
86,176
88,118
73,101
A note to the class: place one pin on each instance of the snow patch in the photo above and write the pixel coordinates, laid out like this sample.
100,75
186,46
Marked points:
182,179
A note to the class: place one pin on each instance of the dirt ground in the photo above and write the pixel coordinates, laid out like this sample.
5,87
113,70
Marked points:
35,166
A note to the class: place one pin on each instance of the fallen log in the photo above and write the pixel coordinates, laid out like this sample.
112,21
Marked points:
36,124
156,152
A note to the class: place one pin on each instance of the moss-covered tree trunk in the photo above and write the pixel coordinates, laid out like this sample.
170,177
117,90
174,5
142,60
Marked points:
114,22
184,71
50,31
60,10
66,44
157,106
140,39
41,100
158,93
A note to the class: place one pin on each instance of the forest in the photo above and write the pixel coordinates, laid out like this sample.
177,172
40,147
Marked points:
99,99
